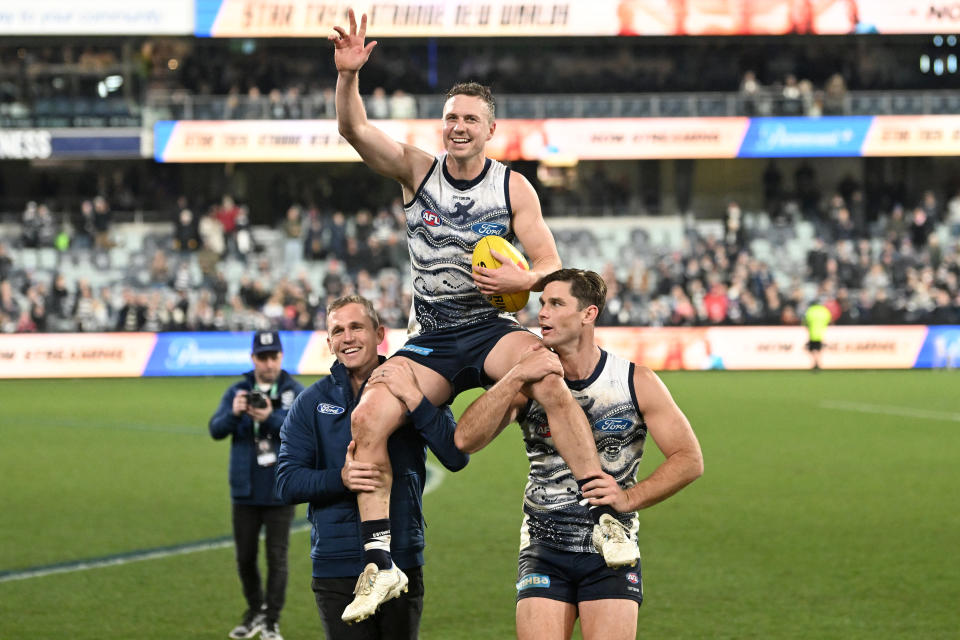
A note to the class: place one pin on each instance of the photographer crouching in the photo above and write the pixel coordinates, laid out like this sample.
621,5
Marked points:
252,411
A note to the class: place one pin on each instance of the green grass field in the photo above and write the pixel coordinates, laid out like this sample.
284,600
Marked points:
828,510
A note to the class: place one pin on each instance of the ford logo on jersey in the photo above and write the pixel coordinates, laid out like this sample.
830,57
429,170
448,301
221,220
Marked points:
613,424
489,228
330,409
430,218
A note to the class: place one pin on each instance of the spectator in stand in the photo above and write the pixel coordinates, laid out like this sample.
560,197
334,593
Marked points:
314,242
843,226
358,256
227,214
378,107
58,300
750,95
333,281
734,234
29,226
953,215
186,230
791,103
253,293
403,106
84,229
102,221
88,311
835,96
212,235
6,262
36,298
292,236
9,305
337,239
930,206
716,303
243,234
131,316
920,228
363,226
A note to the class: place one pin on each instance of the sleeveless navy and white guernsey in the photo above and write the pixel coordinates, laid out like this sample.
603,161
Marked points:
445,220
552,515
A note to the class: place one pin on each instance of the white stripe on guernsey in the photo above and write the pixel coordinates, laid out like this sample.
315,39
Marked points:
906,412
434,479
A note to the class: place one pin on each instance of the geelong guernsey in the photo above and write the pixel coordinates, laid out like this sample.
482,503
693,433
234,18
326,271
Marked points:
552,515
445,220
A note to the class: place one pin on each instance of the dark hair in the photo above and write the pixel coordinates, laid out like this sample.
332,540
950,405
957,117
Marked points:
356,299
586,286
477,90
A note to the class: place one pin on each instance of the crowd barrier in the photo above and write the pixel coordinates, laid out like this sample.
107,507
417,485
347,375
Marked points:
305,352
564,140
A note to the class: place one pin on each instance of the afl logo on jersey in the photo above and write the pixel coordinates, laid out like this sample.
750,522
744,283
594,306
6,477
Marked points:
542,430
633,578
489,228
613,424
430,218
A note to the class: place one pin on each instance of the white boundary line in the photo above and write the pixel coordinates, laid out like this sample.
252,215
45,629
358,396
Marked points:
434,479
906,412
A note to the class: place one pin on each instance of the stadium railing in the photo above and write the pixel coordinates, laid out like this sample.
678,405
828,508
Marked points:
181,106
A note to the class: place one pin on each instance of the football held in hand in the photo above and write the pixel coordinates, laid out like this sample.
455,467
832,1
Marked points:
510,302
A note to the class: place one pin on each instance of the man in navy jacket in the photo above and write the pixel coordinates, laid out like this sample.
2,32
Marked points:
252,412
316,466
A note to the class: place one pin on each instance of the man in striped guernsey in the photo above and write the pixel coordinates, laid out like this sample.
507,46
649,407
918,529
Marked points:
458,339
561,574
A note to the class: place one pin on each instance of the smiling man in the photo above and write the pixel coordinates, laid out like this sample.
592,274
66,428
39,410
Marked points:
458,340
561,575
317,466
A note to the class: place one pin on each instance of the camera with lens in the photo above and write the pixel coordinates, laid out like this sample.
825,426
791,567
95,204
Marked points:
258,400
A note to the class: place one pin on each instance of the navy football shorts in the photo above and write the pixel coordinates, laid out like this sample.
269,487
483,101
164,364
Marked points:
575,577
458,353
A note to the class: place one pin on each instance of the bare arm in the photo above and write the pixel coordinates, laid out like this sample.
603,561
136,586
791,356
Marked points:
404,163
537,240
673,435
489,414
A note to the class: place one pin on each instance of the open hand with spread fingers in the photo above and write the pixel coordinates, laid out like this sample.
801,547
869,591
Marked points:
350,53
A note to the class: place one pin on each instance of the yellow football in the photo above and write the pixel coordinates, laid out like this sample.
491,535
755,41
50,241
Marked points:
482,257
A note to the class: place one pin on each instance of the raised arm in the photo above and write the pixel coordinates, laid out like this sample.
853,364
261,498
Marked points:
537,241
489,414
673,435
404,163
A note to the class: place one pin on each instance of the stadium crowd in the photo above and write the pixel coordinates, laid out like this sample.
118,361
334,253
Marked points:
283,79
214,271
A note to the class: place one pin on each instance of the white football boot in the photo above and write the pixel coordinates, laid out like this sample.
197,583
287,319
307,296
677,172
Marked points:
612,540
374,587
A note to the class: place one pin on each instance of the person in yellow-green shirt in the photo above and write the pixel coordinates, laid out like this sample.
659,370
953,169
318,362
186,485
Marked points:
816,320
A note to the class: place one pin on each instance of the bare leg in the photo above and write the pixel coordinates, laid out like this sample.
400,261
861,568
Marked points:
374,419
378,414
545,619
614,619
572,434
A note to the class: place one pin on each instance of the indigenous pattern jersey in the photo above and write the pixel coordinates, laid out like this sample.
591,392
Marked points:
445,220
552,515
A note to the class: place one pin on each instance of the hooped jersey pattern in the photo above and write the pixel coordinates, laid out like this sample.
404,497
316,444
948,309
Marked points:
445,220
552,514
